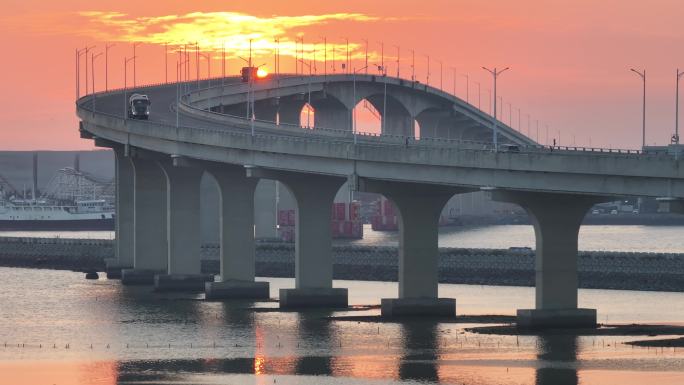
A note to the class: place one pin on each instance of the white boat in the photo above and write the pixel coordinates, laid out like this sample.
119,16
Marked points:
21,214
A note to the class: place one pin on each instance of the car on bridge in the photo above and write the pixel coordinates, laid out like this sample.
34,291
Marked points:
139,106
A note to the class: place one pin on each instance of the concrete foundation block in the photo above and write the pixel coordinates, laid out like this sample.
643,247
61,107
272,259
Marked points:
398,307
236,290
181,282
314,297
138,276
113,268
556,318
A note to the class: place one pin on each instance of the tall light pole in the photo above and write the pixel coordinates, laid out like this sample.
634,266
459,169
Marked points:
86,49
208,57
467,88
413,65
79,53
440,75
382,56
347,39
366,62
179,72
135,44
398,59
92,73
126,61
642,74
427,79
495,74
309,107
107,47
354,101
453,69
325,57
676,137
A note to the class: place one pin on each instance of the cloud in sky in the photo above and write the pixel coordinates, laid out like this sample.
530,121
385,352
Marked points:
215,30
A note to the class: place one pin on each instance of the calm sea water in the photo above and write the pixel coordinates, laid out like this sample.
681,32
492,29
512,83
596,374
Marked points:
667,239
58,328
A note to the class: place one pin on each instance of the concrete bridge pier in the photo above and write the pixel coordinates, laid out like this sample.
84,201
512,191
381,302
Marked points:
123,221
182,229
314,195
236,220
556,219
419,208
331,114
149,223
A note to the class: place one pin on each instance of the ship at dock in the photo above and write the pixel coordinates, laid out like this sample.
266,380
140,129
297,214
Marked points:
73,200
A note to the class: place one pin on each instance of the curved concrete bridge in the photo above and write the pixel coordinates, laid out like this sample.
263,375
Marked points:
214,128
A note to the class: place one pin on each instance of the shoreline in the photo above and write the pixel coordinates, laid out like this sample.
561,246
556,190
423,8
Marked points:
496,267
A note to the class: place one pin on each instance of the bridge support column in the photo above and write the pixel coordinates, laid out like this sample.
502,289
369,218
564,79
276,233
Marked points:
419,208
149,223
333,116
123,221
236,202
314,195
556,219
183,230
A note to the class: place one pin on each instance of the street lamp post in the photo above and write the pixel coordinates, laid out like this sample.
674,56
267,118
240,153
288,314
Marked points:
676,137
208,57
413,65
642,74
308,110
126,61
441,88
354,102
86,50
92,73
398,59
179,69
495,74
427,79
453,69
467,88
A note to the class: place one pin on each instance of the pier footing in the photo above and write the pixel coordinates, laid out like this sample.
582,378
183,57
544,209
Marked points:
398,307
138,276
113,268
236,290
556,318
181,282
314,297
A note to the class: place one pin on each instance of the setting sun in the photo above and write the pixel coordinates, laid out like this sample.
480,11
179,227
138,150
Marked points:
262,73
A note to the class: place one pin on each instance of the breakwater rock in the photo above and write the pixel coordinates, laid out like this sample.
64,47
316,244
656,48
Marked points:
597,269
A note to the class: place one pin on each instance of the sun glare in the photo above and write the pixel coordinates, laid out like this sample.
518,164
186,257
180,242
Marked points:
262,73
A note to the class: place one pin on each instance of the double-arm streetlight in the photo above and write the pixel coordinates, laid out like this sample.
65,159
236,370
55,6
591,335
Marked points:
642,74
495,74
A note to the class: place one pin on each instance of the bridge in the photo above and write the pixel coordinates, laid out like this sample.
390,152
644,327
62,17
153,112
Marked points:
243,132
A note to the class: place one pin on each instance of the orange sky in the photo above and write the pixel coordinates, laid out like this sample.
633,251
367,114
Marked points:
569,60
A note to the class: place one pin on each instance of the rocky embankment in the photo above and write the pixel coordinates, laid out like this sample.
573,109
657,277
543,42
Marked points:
601,270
